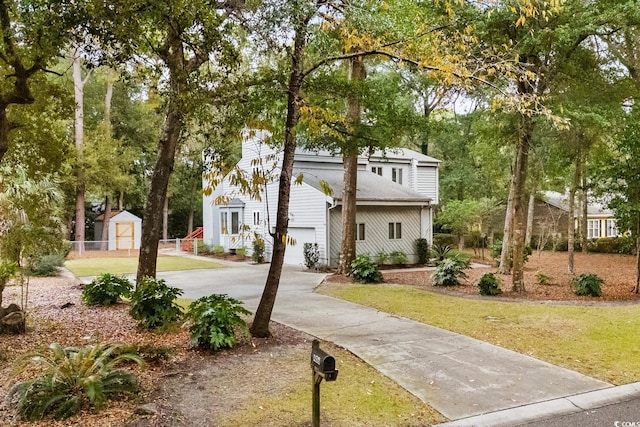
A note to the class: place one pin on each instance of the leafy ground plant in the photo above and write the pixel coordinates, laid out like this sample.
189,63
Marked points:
448,272
215,320
106,289
587,284
74,378
153,303
365,270
489,284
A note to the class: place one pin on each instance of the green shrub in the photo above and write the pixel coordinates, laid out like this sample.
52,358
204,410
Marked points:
444,239
459,257
543,279
365,270
489,284
587,284
153,303
423,250
241,251
440,252
311,254
46,265
75,378
214,321
382,257
611,245
202,247
258,249
448,272
218,249
399,257
106,289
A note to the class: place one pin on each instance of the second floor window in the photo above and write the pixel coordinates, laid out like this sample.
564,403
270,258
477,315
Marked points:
256,217
396,175
377,170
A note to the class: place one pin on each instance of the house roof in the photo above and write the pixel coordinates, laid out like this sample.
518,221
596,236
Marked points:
125,215
401,155
561,201
372,188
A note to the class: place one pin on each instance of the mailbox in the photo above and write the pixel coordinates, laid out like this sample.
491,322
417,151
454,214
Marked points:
322,363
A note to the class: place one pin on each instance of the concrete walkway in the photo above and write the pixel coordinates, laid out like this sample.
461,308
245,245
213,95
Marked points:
461,377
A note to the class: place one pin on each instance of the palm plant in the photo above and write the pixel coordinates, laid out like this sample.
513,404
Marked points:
74,378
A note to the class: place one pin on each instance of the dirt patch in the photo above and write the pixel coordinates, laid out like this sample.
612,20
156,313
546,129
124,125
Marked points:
618,272
181,386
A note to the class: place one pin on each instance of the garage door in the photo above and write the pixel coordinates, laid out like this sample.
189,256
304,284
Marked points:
295,254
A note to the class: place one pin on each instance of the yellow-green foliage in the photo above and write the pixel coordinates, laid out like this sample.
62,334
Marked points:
601,342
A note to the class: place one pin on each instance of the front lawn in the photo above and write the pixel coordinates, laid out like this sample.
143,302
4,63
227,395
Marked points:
128,265
599,341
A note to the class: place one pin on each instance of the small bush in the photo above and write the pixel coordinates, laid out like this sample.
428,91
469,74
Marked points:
448,272
75,378
218,249
611,245
202,247
46,265
241,251
489,285
399,257
258,249
459,257
365,270
106,290
214,321
311,255
543,279
382,257
444,239
440,252
153,303
587,285
422,249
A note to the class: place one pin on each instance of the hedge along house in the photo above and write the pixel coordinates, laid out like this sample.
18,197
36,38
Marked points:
395,196
125,230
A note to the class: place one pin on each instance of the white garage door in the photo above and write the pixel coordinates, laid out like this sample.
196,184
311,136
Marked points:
295,254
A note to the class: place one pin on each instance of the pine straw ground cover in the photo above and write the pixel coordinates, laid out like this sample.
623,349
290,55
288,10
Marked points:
262,382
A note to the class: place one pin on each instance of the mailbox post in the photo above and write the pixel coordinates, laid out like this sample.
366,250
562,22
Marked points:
323,366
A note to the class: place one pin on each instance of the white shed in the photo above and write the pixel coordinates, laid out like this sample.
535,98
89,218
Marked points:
125,230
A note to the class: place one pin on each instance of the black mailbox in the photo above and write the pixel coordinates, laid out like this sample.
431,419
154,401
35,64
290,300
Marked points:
322,363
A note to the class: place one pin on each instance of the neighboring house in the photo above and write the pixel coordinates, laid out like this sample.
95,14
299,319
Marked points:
125,230
395,195
600,220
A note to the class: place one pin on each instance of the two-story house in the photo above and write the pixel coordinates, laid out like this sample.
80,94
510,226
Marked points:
396,192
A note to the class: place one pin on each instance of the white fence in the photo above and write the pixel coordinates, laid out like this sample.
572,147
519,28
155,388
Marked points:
95,247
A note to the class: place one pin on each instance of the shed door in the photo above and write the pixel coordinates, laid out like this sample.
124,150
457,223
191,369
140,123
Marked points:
295,254
124,235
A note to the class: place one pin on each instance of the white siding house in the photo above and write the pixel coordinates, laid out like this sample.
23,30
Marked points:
395,195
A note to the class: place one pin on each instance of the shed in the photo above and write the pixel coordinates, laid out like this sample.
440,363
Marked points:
125,230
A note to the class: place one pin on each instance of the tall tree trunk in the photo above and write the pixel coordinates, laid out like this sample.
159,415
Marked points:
530,212
260,325
520,177
585,201
120,200
165,219
153,210
105,223
505,255
357,74
78,86
571,231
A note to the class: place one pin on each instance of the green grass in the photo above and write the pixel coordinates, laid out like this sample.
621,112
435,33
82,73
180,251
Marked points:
95,266
601,342
360,396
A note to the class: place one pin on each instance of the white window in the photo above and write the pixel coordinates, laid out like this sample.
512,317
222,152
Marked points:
611,228
395,230
396,175
377,170
224,223
256,217
360,231
593,228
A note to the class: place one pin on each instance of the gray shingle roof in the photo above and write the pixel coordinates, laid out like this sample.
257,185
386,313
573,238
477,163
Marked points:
371,187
